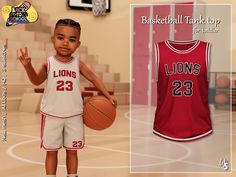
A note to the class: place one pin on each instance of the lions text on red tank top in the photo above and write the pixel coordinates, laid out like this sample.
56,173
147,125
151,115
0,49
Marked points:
182,112
62,96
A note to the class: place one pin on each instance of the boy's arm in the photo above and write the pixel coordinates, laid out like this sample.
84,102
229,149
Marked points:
88,74
35,78
39,77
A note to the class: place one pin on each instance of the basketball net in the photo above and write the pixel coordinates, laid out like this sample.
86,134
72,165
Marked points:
99,7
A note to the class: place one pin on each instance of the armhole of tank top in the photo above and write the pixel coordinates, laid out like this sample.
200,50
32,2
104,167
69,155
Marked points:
48,65
78,63
157,60
208,60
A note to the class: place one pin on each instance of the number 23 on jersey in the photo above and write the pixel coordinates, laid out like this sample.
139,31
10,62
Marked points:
64,85
186,85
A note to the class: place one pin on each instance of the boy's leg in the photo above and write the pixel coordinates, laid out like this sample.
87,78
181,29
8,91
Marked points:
71,161
73,140
51,162
51,141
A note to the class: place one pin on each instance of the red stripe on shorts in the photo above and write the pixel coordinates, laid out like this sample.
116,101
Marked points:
42,129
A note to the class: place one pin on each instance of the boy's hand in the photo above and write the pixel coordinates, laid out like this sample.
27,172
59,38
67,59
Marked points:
24,58
113,102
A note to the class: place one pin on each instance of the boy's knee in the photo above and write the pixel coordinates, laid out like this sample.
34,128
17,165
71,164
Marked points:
52,153
71,152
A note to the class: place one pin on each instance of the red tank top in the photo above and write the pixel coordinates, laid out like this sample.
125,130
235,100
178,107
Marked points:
182,112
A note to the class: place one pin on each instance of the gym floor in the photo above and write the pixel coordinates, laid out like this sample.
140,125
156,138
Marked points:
106,152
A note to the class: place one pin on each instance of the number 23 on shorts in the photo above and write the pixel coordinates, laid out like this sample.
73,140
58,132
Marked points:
77,144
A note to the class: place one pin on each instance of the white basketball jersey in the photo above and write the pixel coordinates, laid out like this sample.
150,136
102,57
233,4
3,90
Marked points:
62,96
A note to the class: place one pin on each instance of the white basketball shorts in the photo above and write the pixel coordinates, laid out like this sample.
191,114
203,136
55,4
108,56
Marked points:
57,132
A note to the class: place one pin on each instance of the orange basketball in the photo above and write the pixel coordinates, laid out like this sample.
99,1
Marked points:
221,98
223,81
99,113
234,100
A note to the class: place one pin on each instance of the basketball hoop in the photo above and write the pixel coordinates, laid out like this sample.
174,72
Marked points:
99,7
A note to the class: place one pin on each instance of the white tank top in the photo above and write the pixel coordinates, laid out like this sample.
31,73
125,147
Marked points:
62,96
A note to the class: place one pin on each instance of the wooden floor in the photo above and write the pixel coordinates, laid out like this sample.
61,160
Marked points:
106,152
151,153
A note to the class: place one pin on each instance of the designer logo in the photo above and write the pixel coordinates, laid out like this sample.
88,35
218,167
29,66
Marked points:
20,14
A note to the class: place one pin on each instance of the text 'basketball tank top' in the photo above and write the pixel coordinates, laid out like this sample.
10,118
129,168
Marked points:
182,112
62,96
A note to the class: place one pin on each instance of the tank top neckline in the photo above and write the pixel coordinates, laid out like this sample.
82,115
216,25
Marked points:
170,46
68,62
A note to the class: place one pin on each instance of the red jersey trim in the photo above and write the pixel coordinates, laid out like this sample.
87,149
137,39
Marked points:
42,129
54,57
157,60
183,139
78,60
208,62
169,42
43,113
50,149
69,148
48,66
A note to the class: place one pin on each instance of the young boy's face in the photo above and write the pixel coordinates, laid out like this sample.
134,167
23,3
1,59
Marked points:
66,40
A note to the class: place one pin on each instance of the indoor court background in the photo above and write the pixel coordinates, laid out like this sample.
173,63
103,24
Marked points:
105,46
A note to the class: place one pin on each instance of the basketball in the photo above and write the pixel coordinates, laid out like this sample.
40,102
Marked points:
234,100
221,98
99,113
223,81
